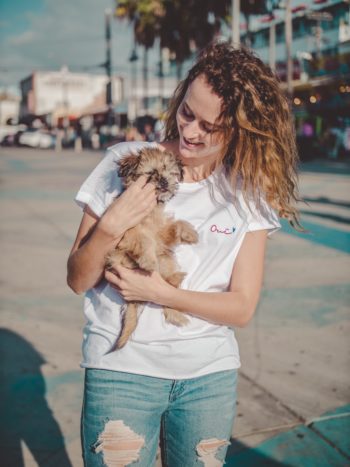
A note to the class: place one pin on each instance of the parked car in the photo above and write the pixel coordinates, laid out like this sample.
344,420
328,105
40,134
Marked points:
12,139
6,131
35,138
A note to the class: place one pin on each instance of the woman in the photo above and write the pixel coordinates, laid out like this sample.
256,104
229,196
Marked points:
231,126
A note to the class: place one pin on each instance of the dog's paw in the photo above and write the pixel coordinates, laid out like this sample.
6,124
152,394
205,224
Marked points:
176,279
175,317
189,235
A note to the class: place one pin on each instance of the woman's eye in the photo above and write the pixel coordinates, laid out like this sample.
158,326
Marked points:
207,129
185,113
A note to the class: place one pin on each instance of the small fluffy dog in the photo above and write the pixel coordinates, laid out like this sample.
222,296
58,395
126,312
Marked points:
149,245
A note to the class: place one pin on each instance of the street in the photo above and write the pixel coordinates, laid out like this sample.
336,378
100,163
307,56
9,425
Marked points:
295,352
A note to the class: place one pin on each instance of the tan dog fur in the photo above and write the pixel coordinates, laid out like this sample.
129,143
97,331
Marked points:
149,245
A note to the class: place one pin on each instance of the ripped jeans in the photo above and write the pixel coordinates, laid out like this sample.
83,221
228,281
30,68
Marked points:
124,414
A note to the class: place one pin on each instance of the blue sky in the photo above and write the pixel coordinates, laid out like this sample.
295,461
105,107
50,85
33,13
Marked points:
47,34
15,15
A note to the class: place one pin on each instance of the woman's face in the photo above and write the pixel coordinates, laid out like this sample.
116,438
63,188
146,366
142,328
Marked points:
200,136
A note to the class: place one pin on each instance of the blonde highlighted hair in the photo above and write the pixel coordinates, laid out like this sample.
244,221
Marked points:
258,128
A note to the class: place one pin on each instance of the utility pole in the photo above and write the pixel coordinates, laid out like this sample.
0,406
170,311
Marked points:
161,79
133,59
235,23
108,67
289,38
272,42
145,79
319,16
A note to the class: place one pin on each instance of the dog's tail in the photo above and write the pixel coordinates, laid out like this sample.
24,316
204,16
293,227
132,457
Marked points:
130,319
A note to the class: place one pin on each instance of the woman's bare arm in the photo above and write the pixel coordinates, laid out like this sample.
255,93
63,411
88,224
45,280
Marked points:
97,236
233,308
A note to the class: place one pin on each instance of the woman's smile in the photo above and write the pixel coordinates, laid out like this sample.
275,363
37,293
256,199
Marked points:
191,144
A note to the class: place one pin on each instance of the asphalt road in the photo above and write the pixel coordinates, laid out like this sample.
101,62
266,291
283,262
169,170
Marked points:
295,353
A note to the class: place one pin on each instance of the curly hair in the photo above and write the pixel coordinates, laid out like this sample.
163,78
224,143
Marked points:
258,128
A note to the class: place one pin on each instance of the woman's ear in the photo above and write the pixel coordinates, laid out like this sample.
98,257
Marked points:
127,166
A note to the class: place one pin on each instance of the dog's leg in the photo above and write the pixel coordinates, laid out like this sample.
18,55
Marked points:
129,324
141,248
175,317
167,268
186,232
178,232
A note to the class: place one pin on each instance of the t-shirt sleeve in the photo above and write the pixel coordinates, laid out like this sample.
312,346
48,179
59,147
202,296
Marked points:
102,185
263,217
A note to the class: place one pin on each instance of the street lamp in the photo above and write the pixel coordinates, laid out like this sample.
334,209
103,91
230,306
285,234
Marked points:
108,67
289,38
271,20
133,59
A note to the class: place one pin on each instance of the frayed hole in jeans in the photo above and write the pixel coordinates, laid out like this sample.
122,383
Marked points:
120,446
207,449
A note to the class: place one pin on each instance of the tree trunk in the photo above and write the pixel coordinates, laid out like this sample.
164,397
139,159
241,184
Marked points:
145,79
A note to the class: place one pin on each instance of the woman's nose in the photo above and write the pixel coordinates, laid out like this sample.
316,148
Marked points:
191,130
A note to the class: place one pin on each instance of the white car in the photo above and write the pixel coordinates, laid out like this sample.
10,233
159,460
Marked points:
37,139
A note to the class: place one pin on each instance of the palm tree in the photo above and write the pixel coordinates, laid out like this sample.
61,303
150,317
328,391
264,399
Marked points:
181,25
190,24
253,7
145,15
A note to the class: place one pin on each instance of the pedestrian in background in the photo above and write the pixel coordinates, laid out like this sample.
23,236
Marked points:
231,125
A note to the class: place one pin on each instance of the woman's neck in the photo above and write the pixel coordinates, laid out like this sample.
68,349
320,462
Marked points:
194,171
196,174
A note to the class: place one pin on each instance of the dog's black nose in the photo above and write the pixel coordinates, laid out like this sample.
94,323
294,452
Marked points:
163,182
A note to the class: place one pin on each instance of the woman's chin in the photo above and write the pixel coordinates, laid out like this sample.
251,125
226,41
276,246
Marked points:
187,152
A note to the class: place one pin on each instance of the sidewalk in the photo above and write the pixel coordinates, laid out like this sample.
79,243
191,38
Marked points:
295,353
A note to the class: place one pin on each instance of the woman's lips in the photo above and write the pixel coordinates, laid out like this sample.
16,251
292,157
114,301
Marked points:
189,144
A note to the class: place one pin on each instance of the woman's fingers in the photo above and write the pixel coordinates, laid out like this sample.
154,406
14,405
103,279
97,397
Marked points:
130,208
113,278
141,184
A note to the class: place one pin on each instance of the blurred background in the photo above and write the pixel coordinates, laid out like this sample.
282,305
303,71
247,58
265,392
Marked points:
87,74
79,75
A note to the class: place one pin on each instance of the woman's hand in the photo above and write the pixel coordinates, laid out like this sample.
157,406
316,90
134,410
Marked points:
128,210
138,285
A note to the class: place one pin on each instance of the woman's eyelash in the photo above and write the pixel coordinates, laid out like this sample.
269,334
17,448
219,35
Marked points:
208,130
188,114
185,112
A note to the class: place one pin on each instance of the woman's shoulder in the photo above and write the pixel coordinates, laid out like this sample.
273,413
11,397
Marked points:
126,147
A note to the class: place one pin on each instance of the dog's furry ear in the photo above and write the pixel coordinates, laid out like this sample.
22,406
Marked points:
127,165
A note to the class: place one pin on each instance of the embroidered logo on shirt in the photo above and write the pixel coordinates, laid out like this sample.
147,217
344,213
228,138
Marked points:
226,231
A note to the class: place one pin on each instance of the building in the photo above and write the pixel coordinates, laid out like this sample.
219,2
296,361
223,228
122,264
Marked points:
320,52
58,96
158,95
9,108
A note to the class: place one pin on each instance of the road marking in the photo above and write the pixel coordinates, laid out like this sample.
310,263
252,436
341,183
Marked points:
326,236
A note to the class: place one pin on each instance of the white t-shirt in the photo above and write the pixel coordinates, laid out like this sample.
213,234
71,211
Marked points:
157,348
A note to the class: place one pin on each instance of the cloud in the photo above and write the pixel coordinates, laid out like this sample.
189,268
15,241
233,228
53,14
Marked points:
64,33
25,38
